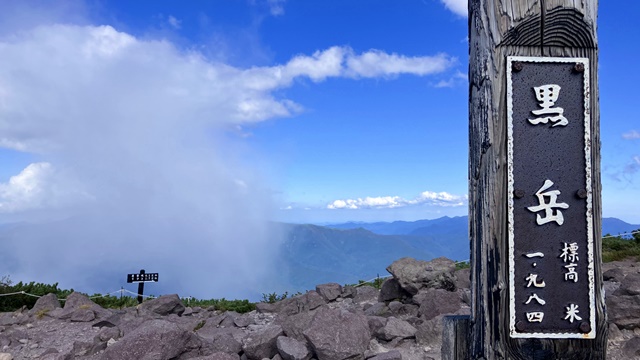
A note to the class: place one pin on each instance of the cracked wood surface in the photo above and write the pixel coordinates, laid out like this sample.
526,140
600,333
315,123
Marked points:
497,29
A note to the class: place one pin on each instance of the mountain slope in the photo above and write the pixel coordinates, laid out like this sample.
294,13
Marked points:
397,227
317,254
614,226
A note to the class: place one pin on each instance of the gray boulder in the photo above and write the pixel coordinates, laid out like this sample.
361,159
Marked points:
330,291
632,348
76,300
79,303
437,302
376,323
463,278
294,305
243,321
4,341
614,333
391,290
108,333
623,310
127,321
262,343
225,342
45,304
288,306
294,326
292,349
366,294
81,348
217,356
313,300
230,319
264,307
415,275
348,291
83,315
390,355
377,309
164,305
430,332
338,335
613,274
630,285
396,328
210,331
155,339
401,310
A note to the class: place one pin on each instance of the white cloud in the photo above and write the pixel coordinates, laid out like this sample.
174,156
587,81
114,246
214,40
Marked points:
376,63
440,199
631,135
36,187
457,78
174,22
633,166
25,190
340,61
389,202
128,133
459,7
85,64
276,7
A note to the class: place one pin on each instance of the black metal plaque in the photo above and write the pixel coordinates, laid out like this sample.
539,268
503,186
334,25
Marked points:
137,278
549,186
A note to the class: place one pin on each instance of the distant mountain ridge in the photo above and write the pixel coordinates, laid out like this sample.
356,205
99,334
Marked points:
612,226
615,226
347,252
320,254
350,252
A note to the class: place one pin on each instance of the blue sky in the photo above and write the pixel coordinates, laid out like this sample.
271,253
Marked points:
382,138
163,125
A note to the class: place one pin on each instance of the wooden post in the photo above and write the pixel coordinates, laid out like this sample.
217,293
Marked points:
141,287
531,28
455,336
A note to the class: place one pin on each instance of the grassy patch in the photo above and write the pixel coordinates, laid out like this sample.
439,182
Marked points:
240,306
199,325
617,248
41,313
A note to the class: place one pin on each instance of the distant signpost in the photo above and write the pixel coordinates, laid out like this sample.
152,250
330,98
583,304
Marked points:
141,278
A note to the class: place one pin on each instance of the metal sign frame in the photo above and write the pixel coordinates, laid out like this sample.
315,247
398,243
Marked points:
583,64
146,277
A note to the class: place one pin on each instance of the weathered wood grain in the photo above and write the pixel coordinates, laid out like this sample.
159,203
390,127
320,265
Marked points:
497,29
455,336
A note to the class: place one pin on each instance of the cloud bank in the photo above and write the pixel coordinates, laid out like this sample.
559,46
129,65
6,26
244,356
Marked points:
458,7
631,135
390,202
137,168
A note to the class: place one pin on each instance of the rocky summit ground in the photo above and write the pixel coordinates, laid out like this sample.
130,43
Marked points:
402,320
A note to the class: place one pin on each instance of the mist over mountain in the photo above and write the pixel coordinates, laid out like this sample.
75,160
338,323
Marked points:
316,254
300,255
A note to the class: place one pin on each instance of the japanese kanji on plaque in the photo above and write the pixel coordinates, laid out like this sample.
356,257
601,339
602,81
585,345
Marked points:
550,222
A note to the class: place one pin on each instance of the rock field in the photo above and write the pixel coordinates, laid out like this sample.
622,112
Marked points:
402,320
